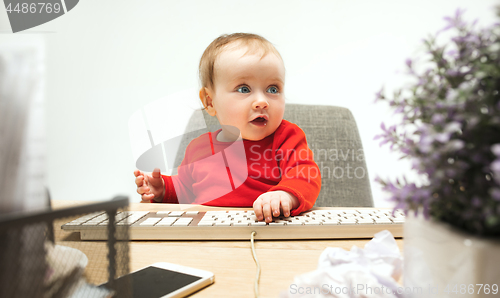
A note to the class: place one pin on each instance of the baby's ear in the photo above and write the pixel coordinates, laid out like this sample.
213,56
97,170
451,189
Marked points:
206,100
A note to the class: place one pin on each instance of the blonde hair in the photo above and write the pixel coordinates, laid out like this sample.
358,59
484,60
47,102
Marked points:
253,42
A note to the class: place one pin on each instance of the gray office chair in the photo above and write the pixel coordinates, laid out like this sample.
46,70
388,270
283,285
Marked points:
332,135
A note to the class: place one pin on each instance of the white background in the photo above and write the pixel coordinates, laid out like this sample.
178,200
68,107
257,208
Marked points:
107,59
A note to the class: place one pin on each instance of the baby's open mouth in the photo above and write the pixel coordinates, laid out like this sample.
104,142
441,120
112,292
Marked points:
259,121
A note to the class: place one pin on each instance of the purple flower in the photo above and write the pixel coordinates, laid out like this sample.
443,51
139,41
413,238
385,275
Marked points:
425,144
472,121
451,94
452,127
451,173
453,72
379,95
496,149
495,166
452,53
443,137
453,22
454,145
495,194
437,119
408,62
477,157
399,110
476,202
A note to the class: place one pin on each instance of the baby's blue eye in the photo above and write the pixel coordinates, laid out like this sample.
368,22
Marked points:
244,89
273,90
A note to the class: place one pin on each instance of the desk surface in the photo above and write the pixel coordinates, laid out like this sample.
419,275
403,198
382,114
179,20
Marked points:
230,261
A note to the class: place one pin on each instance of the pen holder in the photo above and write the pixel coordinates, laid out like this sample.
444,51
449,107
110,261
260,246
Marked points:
39,259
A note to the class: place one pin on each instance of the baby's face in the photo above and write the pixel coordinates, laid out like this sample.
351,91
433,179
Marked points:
249,93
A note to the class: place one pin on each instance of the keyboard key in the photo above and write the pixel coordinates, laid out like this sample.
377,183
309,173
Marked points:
295,223
134,216
89,216
352,211
176,213
74,223
348,221
92,223
205,223
150,221
383,221
162,212
121,216
241,224
167,221
104,223
183,222
216,212
281,221
258,223
312,222
331,223
223,223
132,219
139,213
192,212
365,220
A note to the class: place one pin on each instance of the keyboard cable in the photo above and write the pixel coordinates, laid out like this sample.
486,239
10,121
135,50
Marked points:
257,276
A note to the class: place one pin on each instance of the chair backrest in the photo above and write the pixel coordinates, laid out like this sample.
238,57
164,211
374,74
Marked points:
332,135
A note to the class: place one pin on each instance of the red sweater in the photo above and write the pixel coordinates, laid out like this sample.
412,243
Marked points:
235,174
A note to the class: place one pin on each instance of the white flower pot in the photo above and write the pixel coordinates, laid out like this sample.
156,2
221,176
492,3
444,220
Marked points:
441,261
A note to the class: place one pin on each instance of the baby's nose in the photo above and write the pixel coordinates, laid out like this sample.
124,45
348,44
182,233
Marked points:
260,103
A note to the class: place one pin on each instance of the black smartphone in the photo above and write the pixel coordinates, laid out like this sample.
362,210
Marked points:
166,280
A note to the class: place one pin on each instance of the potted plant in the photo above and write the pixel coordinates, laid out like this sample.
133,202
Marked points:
449,128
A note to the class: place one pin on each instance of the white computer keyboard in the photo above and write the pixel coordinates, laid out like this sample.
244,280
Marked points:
323,223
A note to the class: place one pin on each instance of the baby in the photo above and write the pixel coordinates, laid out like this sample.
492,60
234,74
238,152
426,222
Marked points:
243,81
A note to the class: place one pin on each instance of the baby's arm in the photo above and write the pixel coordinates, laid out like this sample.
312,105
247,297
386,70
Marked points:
168,189
150,187
300,179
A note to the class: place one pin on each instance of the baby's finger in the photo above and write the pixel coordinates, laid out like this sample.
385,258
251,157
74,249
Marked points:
143,190
137,173
139,181
147,179
156,173
155,178
285,206
147,198
275,204
257,208
266,209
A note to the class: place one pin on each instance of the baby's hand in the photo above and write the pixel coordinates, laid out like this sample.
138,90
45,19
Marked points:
269,204
150,186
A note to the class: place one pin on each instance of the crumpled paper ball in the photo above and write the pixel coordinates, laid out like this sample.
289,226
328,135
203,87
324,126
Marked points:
369,272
